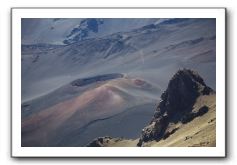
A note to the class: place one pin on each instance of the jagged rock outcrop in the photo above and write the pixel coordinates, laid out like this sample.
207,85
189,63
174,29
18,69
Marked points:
99,142
176,105
103,141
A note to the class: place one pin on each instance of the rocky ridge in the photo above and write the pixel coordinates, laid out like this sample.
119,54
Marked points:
176,105
175,108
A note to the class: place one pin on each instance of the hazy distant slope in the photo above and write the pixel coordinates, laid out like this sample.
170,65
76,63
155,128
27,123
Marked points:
59,30
141,52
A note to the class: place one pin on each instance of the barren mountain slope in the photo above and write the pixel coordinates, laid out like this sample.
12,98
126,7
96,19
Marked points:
200,132
185,117
60,118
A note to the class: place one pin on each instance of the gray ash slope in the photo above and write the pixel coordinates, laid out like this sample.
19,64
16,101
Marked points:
65,92
139,52
77,112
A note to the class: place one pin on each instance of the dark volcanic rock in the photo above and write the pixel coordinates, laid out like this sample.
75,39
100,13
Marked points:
176,104
99,142
190,116
155,130
183,89
90,80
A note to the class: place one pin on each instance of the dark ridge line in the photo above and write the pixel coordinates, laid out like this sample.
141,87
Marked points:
99,78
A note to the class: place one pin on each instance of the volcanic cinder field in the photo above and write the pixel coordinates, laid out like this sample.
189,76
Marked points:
87,78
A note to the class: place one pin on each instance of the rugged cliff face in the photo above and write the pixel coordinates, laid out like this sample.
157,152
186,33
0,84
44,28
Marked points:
185,116
176,105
